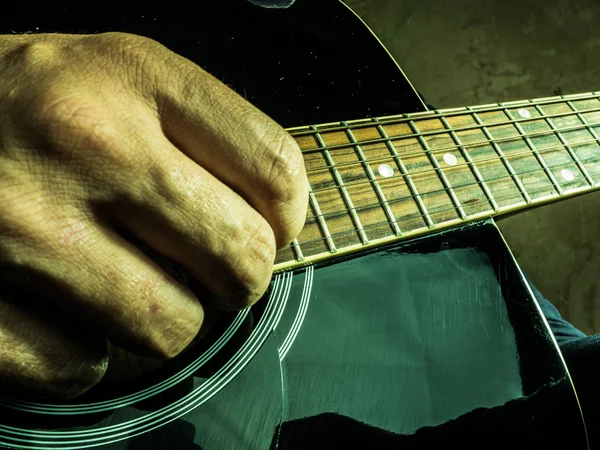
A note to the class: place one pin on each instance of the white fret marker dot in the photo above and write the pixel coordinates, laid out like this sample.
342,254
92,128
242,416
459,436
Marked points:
567,175
450,159
385,170
524,113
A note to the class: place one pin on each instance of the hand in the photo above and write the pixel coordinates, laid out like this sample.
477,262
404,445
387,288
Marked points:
110,134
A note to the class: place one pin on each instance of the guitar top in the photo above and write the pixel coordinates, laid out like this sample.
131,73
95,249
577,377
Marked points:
412,344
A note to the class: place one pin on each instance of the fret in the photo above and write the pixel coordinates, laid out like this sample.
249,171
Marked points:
409,182
501,155
434,133
341,187
524,161
590,132
471,164
550,146
361,189
299,132
489,165
439,170
402,176
584,121
321,220
541,160
297,251
570,150
381,197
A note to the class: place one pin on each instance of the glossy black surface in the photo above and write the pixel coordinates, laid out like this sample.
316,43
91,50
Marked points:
437,336
312,63
428,341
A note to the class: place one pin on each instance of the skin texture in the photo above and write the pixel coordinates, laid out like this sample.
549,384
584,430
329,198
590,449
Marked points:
113,134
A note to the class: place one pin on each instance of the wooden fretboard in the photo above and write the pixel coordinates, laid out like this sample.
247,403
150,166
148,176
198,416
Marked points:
379,180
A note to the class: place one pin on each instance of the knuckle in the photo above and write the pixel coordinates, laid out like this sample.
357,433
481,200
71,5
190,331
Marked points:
167,322
162,191
68,376
34,52
79,131
252,268
58,110
34,228
131,44
173,186
286,184
64,111
285,165
177,335
140,55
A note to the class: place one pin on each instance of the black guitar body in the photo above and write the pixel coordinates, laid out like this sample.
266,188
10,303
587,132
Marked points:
427,343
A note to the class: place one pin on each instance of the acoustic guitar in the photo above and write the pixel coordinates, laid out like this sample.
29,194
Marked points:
398,318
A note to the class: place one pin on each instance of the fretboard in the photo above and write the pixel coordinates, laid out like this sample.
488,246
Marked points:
379,180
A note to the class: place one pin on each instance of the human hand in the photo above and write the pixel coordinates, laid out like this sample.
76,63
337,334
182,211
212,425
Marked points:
114,133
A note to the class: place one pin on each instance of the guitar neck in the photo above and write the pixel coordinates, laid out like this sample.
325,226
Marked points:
379,180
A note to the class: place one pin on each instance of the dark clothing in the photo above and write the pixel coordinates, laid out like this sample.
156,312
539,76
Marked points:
582,356
563,331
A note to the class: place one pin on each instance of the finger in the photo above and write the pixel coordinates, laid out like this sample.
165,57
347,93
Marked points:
238,144
193,218
44,354
106,283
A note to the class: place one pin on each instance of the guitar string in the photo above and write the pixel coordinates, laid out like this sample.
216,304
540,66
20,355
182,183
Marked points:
425,195
407,219
585,127
402,118
352,146
484,199
480,127
500,108
449,169
438,191
387,223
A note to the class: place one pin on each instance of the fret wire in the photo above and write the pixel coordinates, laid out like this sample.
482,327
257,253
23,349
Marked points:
589,141
418,172
435,191
554,147
584,121
381,224
541,160
503,158
405,118
454,147
469,128
439,171
344,191
407,178
385,223
573,155
471,165
375,184
297,250
324,227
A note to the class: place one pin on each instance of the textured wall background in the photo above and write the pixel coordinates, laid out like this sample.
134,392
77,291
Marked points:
467,52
